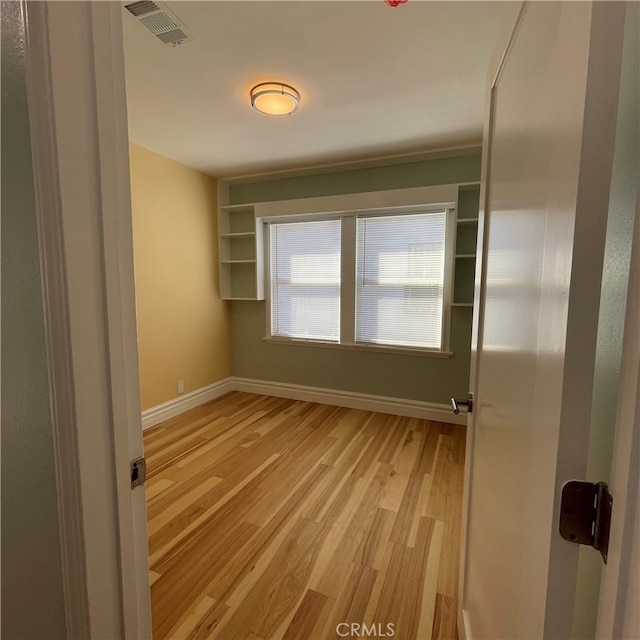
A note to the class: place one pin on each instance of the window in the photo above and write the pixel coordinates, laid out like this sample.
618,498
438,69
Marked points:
400,279
305,280
370,279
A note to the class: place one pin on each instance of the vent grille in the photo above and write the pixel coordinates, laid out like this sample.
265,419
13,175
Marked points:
160,21
141,8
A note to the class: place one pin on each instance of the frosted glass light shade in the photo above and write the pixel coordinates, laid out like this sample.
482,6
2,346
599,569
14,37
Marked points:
275,98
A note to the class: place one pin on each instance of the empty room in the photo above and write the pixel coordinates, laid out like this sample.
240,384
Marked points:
320,319
304,288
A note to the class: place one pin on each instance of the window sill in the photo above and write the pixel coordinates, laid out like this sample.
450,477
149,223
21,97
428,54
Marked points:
359,347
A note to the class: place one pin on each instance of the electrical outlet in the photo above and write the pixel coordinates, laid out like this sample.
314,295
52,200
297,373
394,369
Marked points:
180,386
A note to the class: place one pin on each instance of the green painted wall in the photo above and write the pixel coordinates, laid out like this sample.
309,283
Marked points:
402,376
385,374
400,176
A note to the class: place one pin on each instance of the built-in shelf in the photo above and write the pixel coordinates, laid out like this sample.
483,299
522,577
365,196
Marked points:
240,234
240,237
465,245
237,261
240,252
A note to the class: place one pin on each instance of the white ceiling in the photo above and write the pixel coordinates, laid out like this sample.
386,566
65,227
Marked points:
374,81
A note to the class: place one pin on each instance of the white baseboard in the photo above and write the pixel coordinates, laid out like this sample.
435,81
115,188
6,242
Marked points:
351,399
160,413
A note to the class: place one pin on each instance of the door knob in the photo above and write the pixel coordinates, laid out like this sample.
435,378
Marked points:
457,403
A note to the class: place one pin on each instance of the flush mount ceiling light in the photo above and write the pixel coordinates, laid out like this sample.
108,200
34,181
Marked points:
275,98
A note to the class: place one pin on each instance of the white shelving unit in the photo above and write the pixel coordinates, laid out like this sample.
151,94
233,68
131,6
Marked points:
240,239
240,253
466,236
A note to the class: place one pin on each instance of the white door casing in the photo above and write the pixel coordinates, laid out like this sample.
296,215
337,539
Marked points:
548,154
77,112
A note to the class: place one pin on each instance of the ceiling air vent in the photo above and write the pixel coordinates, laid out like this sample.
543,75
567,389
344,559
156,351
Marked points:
160,20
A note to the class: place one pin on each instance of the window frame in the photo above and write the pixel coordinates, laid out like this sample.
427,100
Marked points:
447,285
267,263
348,275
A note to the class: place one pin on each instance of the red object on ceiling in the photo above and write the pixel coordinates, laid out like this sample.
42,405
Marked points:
394,3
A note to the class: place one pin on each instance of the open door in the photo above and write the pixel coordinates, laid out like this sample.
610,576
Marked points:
548,154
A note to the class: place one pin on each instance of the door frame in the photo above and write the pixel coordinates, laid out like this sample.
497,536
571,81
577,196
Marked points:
78,120
77,113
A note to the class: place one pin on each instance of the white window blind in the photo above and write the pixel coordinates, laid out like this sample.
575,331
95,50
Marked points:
400,267
305,279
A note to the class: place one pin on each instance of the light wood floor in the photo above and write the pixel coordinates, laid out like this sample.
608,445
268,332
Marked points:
272,518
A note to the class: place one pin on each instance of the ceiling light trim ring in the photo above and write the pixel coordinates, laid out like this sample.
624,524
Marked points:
265,89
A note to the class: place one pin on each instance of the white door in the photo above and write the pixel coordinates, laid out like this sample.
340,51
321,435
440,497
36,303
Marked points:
548,152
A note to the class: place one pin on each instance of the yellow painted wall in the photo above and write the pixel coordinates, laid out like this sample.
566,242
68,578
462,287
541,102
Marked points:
183,325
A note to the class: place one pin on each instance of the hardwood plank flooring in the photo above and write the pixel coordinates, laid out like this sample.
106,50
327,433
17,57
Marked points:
274,519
